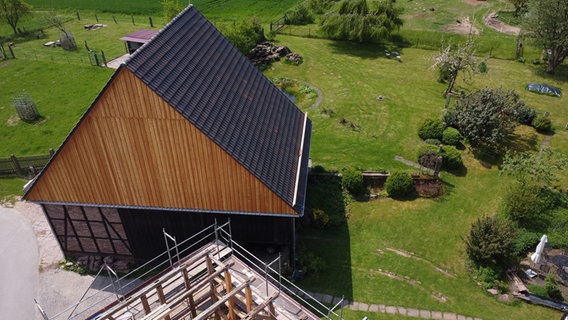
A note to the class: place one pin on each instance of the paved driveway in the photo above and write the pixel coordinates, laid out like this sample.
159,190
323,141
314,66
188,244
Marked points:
19,260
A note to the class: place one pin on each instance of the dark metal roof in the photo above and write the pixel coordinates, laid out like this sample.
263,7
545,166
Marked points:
140,36
194,68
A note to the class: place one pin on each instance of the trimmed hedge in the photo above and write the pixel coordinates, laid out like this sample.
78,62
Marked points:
542,124
399,185
451,136
431,129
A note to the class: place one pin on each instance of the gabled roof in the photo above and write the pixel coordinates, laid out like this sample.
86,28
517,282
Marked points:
194,68
200,76
140,36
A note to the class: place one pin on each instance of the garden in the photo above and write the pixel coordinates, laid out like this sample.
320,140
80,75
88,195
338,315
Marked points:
405,251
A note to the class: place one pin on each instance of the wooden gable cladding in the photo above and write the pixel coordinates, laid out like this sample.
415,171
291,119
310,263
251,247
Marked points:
133,149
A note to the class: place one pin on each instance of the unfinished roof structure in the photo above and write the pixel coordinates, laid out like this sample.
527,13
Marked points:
136,39
188,125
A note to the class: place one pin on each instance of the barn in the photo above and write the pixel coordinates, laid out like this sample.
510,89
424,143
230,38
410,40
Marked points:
185,132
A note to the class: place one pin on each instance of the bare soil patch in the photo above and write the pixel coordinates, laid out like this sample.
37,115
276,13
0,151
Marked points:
493,22
462,26
476,2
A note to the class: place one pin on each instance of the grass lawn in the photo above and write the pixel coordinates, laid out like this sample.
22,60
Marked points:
364,257
351,77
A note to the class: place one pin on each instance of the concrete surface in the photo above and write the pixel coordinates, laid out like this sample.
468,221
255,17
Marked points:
19,274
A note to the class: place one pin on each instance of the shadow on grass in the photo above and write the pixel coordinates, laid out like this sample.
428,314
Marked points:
330,246
364,50
560,74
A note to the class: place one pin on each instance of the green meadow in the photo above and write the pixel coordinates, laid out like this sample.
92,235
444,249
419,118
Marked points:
405,253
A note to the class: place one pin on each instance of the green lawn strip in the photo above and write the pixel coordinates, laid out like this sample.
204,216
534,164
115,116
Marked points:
11,186
61,92
122,6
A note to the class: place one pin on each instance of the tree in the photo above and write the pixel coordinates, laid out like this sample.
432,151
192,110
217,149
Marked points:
530,168
491,243
355,20
547,25
66,37
452,60
399,184
171,9
244,34
486,117
11,11
521,6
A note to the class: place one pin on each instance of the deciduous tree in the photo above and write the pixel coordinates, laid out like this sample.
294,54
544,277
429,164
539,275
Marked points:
455,59
490,243
11,11
547,25
355,20
486,117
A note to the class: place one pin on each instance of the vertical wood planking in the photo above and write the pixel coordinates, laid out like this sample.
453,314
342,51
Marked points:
133,149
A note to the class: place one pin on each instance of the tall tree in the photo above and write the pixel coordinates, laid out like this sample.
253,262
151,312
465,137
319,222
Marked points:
455,59
355,20
521,6
547,25
11,11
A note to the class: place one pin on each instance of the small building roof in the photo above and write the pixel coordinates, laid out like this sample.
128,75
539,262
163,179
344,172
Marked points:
140,36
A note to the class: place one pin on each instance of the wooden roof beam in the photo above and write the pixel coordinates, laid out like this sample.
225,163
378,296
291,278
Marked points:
251,315
214,307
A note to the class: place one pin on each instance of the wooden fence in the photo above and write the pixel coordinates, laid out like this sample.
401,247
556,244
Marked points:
23,167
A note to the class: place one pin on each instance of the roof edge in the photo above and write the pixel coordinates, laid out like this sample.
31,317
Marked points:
194,210
83,117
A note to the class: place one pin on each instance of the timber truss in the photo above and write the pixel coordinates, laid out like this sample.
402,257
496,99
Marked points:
219,280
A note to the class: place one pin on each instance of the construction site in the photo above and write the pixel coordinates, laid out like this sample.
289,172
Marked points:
207,276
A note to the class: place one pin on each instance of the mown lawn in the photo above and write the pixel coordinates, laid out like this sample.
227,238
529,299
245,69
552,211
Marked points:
356,130
351,77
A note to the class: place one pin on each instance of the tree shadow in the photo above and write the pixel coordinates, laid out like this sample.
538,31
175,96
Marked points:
365,50
560,74
522,143
330,245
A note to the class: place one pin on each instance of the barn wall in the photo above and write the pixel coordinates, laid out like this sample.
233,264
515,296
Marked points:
133,149
138,234
144,229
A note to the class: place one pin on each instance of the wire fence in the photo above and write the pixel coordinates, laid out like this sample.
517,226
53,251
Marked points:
23,167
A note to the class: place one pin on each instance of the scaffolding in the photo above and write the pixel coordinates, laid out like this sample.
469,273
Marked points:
207,276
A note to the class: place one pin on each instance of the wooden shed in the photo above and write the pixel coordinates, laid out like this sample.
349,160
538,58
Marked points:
134,40
185,132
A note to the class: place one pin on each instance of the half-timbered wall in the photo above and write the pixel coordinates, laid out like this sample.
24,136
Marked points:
88,230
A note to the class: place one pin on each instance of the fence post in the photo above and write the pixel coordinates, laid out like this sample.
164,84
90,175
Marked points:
132,17
96,17
51,152
78,16
3,51
114,18
15,162
11,52
151,23
104,58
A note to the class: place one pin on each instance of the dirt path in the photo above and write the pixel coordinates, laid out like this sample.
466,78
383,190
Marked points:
493,22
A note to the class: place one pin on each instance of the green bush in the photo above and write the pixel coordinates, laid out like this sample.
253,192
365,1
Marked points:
485,276
399,184
451,136
434,142
310,263
451,158
525,242
352,181
525,115
431,129
542,123
521,203
551,288
482,67
321,219
299,15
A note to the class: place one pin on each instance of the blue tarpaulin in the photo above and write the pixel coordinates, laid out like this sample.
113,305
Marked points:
544,89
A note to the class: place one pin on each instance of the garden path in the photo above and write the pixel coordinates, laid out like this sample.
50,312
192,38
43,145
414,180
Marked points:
394,310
